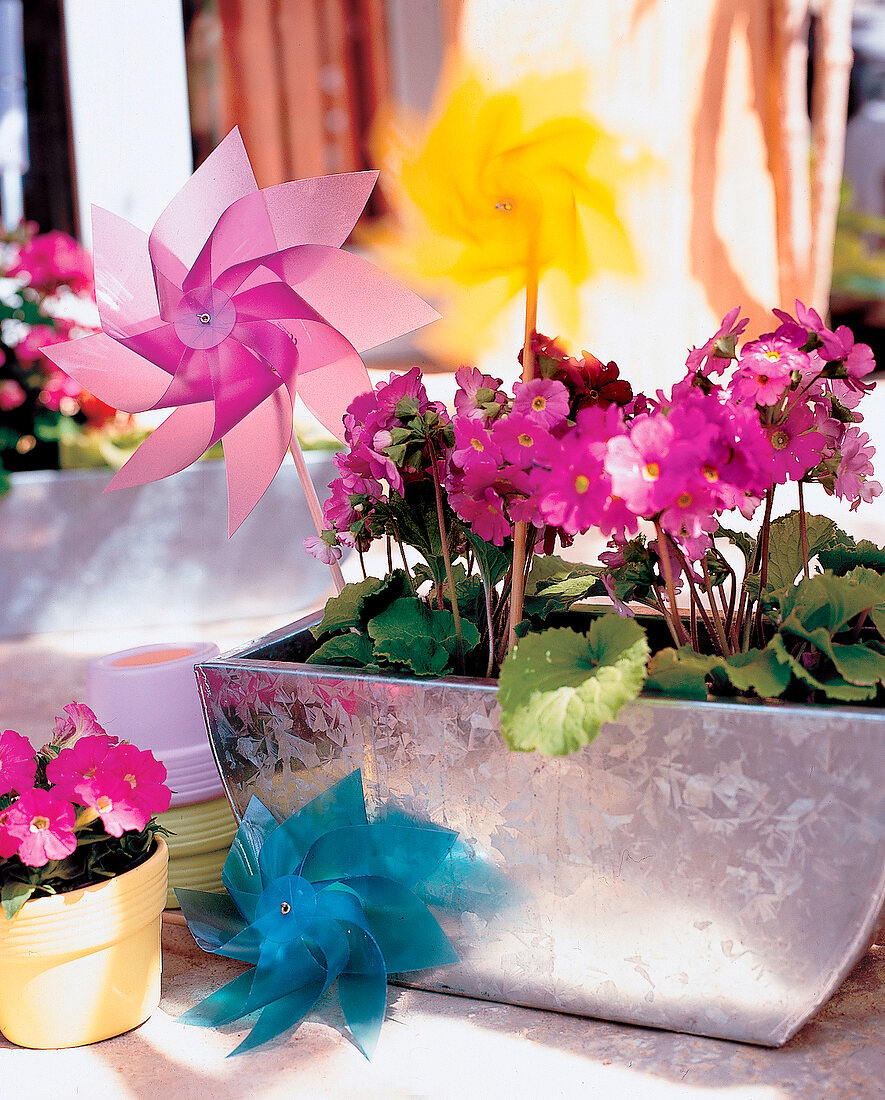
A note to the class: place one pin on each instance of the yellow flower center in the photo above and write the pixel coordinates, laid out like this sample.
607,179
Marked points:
772,356
539,403
476,445
130,779
652,471
582,483
103,804
780,440
684,500
525,440
39,823
710,473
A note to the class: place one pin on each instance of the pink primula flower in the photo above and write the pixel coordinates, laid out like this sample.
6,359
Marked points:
852,478
17,763
704,358
519,438
474,443
797,445
54,259
478,396
43,825
323,551
543,400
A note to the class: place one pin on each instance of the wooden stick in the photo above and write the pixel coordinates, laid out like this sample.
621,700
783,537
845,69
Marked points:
313,503
517,583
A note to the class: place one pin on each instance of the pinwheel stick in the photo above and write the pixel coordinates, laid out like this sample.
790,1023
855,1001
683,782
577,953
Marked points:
313,503
517,582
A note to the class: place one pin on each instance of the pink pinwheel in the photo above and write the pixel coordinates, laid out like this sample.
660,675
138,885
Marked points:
238,299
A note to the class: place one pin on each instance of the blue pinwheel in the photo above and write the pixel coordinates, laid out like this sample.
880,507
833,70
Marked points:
323,896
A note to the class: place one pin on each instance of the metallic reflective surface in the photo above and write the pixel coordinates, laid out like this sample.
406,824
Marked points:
709,868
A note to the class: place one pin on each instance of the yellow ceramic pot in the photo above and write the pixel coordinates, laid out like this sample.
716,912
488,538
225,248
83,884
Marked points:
85,965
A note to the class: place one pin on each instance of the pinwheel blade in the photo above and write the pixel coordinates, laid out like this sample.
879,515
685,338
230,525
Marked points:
241,874
281,1015
362,990
116,375
403,853
405,930
180,440
125,290
254,450
342,804
222,1006
213,919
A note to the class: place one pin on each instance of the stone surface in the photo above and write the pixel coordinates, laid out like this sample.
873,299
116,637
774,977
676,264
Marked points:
435,1046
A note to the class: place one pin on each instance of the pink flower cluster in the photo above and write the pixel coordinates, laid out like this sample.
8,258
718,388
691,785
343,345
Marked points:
575,449
93,776
384,455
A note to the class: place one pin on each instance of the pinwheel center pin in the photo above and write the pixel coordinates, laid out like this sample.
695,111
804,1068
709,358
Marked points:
204,318
286,908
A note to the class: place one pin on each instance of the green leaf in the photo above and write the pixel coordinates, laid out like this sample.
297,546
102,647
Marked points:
830,602
558,687
680,672
841,559
757,670
13,896
553,585
357,603
418,525
351,650
419,639
344,610
785,561
493,561
834,686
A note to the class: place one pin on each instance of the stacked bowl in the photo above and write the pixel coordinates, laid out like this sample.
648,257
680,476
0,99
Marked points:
148,696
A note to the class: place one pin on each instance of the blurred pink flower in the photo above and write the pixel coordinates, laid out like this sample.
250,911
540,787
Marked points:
54,259
11,395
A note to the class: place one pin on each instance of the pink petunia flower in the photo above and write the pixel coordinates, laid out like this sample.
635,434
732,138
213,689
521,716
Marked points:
145,777
17,764
43,825
79,721
73,772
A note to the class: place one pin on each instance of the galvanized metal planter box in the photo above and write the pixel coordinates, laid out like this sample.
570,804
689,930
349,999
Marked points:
710,868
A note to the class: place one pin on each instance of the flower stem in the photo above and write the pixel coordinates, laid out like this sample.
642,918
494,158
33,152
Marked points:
447,560
517,588
663,555
313,503
803,530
